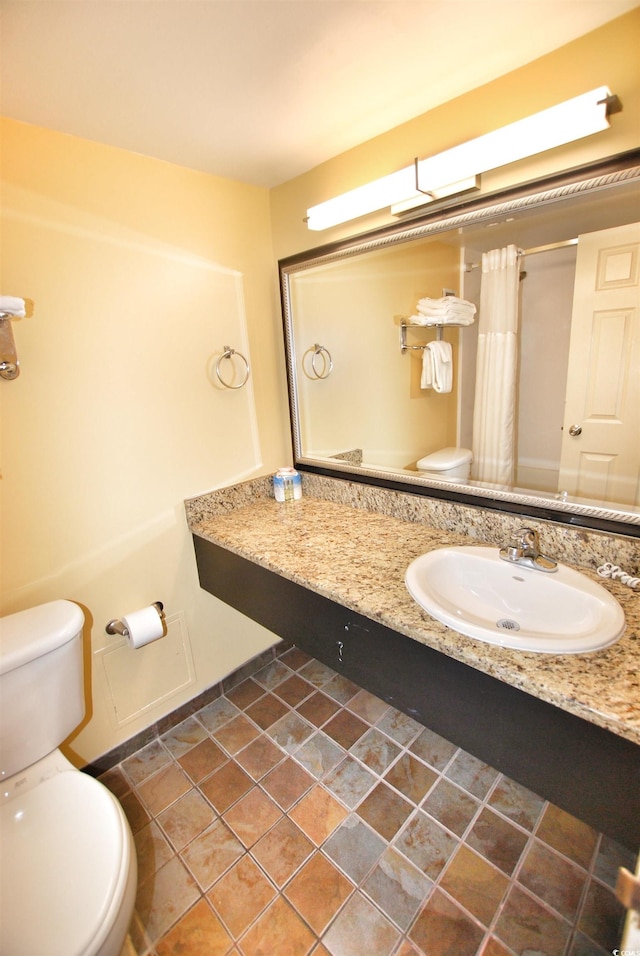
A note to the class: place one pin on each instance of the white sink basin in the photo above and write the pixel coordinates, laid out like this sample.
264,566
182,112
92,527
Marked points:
475,592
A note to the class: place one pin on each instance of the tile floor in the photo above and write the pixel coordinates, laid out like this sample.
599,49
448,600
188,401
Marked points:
298,814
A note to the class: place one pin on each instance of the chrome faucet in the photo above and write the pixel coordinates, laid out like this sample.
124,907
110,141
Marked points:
525,551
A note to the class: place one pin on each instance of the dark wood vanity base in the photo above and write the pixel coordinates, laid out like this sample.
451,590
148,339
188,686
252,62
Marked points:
582,768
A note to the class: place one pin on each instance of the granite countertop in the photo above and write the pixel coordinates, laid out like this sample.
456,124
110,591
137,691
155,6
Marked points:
358,557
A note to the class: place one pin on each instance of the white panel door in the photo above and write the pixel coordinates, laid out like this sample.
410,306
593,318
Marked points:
600,456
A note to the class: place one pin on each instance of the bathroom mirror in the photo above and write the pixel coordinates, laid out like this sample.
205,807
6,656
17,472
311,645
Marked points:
358,406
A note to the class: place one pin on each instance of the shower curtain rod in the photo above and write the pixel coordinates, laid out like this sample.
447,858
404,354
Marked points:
548,248
530,252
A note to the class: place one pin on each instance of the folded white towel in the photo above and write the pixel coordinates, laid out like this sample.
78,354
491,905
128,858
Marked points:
13,305
448,310
445,303
437,367
453,310
441,319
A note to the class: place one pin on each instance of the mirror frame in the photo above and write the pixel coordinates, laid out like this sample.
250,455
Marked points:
593,178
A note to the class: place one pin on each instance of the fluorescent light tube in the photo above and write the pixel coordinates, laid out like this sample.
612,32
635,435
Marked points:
358,202
556,126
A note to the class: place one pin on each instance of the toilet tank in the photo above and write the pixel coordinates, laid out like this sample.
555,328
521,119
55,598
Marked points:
451,464
41,682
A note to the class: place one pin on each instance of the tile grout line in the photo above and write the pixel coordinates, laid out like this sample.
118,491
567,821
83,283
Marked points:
378,777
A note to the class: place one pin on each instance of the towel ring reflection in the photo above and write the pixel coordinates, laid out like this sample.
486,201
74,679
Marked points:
327,361
228,353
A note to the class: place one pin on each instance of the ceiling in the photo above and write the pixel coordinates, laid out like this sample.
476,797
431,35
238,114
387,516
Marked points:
263,90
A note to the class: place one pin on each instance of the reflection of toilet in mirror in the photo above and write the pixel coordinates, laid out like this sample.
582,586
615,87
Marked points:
69,871
447,464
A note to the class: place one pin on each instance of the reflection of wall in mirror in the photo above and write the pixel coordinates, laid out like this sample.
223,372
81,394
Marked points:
546,299
373,399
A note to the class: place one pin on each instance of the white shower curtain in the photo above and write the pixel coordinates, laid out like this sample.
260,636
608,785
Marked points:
496,368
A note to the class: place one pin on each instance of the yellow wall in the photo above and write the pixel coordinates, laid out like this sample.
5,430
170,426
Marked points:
354,308
607,56
140,273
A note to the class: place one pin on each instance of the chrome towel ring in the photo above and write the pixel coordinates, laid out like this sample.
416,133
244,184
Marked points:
319,351
228,353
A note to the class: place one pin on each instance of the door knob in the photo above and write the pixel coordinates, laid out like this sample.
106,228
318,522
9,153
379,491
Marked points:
575,430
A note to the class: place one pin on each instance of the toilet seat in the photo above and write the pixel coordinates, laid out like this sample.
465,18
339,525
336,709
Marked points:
65,865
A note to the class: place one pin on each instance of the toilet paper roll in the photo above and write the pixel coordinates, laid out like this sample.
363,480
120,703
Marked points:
143,626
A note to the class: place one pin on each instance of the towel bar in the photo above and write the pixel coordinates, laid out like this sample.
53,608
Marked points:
416,348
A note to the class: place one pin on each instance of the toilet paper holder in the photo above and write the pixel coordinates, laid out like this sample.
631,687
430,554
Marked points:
117,627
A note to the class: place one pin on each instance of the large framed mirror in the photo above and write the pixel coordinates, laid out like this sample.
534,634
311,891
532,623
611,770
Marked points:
364,404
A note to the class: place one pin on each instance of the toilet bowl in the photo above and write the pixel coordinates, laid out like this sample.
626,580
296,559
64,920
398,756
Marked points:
69,872
447,464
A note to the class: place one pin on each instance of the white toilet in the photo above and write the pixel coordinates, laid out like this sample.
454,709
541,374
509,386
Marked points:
447,464
69,872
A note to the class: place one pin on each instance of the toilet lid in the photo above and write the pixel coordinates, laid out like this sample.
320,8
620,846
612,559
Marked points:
445,458
64,867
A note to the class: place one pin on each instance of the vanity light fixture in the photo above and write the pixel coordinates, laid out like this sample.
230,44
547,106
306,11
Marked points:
456,170
424,196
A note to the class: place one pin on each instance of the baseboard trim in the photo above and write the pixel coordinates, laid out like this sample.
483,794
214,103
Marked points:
130,746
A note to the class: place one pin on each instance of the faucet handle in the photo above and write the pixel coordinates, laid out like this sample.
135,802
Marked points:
525,539
524,549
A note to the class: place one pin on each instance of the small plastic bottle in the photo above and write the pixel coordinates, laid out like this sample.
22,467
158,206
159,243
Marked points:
287,485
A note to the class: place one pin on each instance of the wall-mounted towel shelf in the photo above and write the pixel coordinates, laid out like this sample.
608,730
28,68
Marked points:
449,309
416,348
